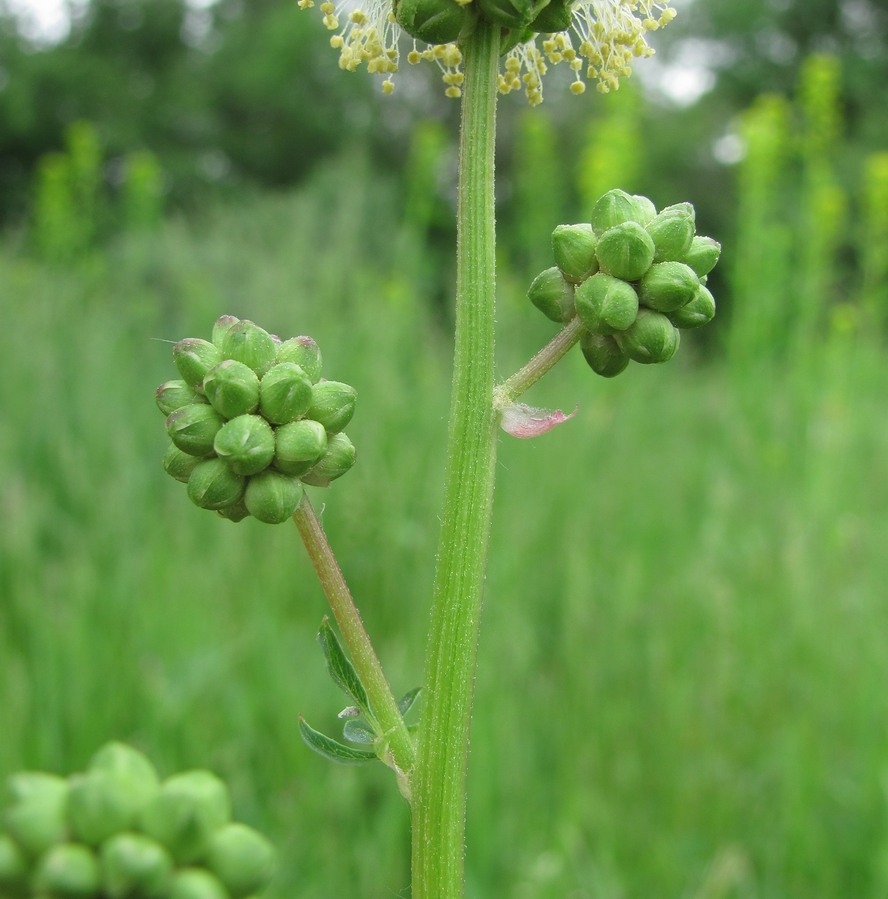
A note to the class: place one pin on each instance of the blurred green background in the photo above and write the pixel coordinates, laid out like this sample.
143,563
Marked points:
682,683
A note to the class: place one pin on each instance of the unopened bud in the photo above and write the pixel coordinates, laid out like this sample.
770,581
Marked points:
614,208
188,809
179,465
133,865
232,388
68,869
702,255
606,304
241,858
174,395
236,512
653,338
432,21
336,461
672,232
574,249
552,295
248,343
272,496
332,404
221,327
245,444
101,804
647,212
193,428
699,311
667,286
124,761
213,485
299,446
36,811
510,13
194,358
603,354
555,16
13,868
196,883
625,251
304,352
285,393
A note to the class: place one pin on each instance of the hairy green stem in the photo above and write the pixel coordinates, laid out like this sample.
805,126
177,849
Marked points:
541,364
382,702
442,753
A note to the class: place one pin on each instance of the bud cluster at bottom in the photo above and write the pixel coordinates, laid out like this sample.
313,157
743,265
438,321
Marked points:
116,831
251,421
633,276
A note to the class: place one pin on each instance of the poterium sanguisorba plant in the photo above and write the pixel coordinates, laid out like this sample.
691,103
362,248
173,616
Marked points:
253,423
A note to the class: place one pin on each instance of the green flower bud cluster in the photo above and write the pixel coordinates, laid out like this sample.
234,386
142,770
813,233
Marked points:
635,277
116,831
251,421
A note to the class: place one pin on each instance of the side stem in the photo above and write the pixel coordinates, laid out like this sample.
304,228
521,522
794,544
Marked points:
382,702
439,800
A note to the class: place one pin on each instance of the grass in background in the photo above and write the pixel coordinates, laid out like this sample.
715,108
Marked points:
681,690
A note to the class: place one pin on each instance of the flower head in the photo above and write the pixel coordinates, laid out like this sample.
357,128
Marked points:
597,39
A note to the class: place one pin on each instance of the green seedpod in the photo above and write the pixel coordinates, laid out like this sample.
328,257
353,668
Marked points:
672,232
432,21
213,485
285,393
242,859
606,304
652,339
221,327
194,358
36,812
603,354
67,870
179,465
555,16
196,883
298,446
646,209
236,512
133,866
304,352
552,295
625,251
510,13
667,286
245,444
273,497
702,255
336,461
614,208
193,428
332,404
173,395
246,342
574,249
102,803
232,388
187,810
699,311
14,867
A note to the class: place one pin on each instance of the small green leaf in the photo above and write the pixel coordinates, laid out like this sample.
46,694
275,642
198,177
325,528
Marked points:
355,732
340,668
405,703
331,749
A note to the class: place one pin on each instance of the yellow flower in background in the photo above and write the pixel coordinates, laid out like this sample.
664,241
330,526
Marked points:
597,39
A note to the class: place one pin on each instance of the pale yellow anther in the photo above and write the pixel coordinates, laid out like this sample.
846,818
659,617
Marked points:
388,86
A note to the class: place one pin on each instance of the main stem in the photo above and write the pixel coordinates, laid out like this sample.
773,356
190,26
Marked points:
442,753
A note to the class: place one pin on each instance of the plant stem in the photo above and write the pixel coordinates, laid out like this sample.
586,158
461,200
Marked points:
541,364
382,702
442,753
